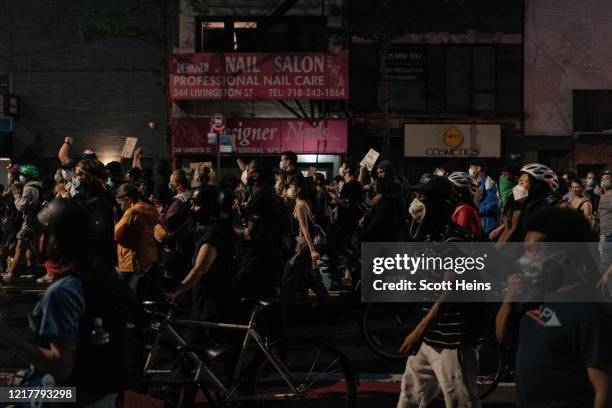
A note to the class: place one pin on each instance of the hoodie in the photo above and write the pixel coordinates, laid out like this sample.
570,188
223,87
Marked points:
29,203
136,246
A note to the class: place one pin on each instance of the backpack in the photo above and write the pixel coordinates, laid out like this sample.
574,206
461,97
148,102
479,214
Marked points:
117,365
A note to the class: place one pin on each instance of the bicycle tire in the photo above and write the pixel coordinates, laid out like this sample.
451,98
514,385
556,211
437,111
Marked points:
491,360
386,343
337,384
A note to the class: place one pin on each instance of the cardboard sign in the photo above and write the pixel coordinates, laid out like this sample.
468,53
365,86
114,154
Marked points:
370,159
128,148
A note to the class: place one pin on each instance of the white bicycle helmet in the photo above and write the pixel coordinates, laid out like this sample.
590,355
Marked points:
542,173
461,179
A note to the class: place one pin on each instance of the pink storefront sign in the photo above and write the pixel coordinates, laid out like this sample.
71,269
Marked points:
251,76
262,136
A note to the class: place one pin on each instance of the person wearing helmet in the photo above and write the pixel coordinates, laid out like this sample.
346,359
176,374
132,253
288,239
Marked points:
210,277
63,319
465,214
447,337
134,233
535,185
28,202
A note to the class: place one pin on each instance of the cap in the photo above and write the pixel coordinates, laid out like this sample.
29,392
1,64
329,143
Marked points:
438,186
424,183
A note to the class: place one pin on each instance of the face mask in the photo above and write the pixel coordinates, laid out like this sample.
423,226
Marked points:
243,178
439,172
22,178
472,172
110,183
172,188
341,171
530,267
606,185
67,174
519,192
280,166
590,182
76,183
417,210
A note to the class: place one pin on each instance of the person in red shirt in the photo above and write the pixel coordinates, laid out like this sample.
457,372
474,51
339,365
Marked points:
466,214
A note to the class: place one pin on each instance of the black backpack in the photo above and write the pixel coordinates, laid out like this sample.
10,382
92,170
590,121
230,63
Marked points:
117,365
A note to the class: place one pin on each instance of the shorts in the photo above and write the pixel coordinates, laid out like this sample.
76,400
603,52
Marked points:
9,233
26,235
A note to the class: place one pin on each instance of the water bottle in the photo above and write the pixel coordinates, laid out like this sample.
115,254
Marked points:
99,336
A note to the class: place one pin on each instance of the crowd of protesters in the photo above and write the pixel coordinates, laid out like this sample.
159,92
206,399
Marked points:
271,233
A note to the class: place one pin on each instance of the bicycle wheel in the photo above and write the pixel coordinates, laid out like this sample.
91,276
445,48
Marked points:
320,374
490,364
385,325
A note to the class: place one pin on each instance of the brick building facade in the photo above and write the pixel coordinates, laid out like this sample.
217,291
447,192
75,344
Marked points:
97,91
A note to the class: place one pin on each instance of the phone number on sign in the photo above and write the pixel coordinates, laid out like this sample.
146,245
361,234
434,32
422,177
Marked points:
8,394
315,93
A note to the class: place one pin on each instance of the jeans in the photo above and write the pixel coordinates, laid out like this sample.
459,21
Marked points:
432,368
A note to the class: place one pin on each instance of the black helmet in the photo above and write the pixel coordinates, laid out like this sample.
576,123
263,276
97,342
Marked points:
71,225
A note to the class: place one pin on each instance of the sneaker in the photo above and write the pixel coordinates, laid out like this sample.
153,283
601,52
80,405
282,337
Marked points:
47,279
7,278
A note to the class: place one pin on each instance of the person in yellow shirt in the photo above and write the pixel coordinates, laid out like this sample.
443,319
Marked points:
136,245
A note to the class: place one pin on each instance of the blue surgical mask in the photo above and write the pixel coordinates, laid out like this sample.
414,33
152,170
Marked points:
110,183
76,183
590,182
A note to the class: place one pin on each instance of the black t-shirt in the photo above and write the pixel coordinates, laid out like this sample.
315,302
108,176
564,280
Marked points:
348,217
264,246
558,342
217,284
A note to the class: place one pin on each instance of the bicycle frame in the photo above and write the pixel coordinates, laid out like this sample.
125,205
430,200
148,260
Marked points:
202,368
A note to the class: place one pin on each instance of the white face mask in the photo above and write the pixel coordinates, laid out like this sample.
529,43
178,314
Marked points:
472,172
439,172
22,178
519,192
243,177
341,171
417,210
280,166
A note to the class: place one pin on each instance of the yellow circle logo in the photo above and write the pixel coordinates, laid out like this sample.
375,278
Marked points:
453,137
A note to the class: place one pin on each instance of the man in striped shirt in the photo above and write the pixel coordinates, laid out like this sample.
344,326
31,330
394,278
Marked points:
444,343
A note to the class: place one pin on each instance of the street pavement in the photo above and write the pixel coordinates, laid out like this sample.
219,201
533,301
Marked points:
379,378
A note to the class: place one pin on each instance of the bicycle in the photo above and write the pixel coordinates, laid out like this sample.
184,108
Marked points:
385,325
287,369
